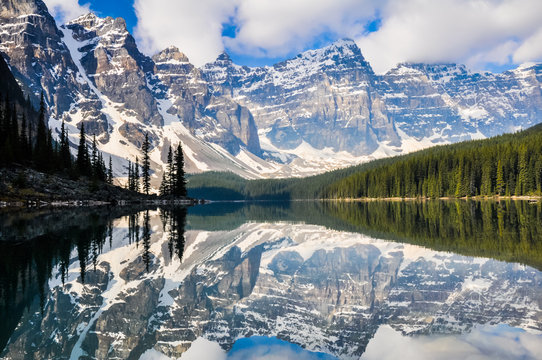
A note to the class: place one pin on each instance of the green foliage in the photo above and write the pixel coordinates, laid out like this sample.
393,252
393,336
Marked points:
174,179
179,183
228,186
83,161
504,165
21,146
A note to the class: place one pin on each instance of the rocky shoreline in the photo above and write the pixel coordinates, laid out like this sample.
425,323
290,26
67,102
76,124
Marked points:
22,187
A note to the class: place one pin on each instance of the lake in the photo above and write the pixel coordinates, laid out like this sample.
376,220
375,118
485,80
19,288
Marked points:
274,280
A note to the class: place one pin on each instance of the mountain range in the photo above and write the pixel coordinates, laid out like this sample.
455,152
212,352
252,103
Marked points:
321,110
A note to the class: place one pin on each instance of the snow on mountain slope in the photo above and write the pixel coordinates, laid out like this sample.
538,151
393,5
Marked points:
86,38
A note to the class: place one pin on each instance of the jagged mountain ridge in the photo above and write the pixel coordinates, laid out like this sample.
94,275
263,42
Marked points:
323,97
91,72
321,110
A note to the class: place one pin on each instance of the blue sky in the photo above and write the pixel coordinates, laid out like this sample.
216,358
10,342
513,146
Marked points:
492,35
125,9
116,8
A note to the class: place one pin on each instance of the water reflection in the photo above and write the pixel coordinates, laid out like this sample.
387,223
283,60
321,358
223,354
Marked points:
36,246
325,276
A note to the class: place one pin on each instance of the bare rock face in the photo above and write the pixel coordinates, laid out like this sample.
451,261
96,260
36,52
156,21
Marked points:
450,103
33,47
92,73
216,119
324,97
110,57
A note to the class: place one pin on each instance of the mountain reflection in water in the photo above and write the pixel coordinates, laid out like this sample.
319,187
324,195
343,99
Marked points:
329,277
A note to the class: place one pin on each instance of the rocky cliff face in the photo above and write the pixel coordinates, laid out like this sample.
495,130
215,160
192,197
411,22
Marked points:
324,97
34,48
215,119
331,98
449,103
110,59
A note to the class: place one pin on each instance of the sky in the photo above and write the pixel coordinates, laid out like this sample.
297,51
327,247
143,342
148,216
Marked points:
486,35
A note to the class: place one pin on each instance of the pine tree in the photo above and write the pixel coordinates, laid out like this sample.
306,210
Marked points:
94,161
129,184
100,169
146,166
82,153
3,126
30,148
522,184
163,185
459,176
23,142
180,182
51,152
486,186
170,172
135,175
110,172
65,156
41,148
168,177
499,184
14,135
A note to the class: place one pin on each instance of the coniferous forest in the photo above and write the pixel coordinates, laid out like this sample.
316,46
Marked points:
26,141
23,144
509,165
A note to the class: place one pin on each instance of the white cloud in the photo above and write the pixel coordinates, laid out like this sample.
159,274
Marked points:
265,27
279,27
195,27
482,343
531,49
467,31
65,10
475,32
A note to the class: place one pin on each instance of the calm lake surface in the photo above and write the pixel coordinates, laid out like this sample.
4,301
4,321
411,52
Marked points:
292,280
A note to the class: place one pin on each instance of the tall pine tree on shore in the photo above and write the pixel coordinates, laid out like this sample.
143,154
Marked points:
83,163
110,171
173,180
65,156
170,176
135,175
26,140
146,166
180,182
129,184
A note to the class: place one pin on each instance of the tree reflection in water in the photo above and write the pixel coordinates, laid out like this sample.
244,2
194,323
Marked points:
28,256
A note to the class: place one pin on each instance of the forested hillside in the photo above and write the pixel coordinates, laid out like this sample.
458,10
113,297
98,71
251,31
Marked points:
228,186
505,165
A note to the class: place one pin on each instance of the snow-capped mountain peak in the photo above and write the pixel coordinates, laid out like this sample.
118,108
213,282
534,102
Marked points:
172,55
